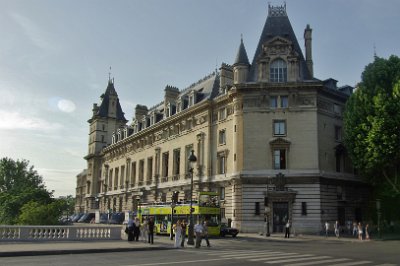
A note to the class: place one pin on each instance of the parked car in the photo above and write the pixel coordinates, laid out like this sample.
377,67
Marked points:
76,217
225,230
117,218
86,218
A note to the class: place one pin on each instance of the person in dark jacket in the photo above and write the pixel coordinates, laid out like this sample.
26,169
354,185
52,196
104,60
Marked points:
136,229
129,229
150,224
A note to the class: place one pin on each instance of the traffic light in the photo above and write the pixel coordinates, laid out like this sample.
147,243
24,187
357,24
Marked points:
175,196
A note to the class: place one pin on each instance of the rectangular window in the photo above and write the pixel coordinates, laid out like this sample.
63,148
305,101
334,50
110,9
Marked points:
141,170
222,114
133,174
279,127
149,168
304,208
222,193
116,178
337,109
273,101
338,133
221,163
284,102
280,159
165,164
222,137
338,162
177,161
122,177
257,208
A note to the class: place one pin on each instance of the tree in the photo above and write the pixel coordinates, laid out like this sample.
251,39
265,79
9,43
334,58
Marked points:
372,125
19,184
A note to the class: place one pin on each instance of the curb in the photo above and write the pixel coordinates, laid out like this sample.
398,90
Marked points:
75,251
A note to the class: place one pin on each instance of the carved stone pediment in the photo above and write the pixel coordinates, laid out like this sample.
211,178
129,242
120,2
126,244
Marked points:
279,46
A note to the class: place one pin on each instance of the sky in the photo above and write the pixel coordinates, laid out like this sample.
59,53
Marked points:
55,59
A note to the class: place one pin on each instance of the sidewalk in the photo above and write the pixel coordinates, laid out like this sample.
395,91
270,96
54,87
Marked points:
10,249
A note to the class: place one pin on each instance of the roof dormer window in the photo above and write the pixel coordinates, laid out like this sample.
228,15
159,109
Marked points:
278,71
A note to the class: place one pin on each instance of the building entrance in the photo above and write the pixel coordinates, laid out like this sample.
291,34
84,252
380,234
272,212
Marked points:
280,216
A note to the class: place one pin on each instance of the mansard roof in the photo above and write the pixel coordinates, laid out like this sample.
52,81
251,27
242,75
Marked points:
105,99
206,89
277,25
241,57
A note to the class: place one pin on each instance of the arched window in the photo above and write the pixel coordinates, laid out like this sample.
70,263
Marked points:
278,71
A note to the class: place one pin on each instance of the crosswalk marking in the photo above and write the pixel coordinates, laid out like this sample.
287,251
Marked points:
283,258
316,262
263,255
269,256
352,263
309,257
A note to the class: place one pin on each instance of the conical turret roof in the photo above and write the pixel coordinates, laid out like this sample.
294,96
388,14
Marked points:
241,57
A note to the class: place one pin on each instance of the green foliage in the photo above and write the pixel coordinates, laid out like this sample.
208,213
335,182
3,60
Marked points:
372,125
34,213
19,184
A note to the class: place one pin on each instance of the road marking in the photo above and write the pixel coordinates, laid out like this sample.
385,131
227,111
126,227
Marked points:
235,252
352,263
269,254
175,262
246,255
316,262
308,257
272,255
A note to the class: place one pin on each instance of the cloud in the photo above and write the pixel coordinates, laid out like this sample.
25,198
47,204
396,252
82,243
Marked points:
14,120
33,31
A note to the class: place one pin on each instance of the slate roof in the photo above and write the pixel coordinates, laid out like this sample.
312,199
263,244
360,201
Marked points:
241,57
278,24
103,109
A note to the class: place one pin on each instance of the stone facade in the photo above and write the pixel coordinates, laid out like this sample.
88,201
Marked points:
267,137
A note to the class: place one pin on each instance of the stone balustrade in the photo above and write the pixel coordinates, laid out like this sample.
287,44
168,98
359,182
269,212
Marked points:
58,233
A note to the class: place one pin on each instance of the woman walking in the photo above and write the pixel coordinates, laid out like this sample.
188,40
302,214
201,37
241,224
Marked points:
178,234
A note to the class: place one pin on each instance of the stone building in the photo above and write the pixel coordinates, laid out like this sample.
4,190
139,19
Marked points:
267,136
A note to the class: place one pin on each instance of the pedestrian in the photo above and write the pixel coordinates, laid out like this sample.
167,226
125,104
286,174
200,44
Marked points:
129,229
145,230
337,228
151,231
184,226
198,230
355,233
205,233
287,229
136,229
326,228
178,234
366,232
360,231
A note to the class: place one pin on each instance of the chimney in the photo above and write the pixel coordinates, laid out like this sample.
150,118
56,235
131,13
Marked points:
307,40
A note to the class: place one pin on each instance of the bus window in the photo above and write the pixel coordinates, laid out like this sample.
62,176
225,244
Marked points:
206,200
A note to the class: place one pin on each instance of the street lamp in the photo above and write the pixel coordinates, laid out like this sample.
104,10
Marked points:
192,162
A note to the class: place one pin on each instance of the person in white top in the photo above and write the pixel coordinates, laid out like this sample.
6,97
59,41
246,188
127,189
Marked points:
326,228
178,234
337,228
198,230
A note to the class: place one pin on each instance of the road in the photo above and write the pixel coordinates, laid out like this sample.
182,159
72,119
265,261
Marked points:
239,251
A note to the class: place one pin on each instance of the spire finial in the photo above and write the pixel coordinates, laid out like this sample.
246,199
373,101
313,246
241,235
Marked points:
375,55
109,75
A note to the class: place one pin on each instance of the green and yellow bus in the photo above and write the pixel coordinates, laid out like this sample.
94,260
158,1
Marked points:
207,208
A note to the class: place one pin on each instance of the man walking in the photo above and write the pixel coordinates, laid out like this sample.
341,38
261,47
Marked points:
151,230
337,227
287,229
198,230
326,228
183,225
205,233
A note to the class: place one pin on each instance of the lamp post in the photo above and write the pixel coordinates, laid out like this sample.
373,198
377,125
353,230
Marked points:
192,161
